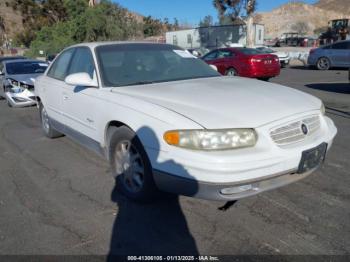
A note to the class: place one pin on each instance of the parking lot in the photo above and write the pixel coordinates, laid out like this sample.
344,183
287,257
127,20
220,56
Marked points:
58,198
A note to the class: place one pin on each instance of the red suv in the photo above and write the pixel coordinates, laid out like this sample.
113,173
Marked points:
245,62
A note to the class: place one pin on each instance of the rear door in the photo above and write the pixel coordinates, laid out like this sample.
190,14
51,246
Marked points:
226,59
51,85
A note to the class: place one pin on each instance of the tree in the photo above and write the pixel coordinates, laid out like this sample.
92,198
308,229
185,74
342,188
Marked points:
152,27
106,21
233,9
207,21
228,8
301,27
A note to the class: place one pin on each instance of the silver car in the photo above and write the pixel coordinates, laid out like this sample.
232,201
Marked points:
17,81
333,55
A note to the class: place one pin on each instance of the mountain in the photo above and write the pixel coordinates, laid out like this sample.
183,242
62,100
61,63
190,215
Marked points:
12,20
315,17
342,6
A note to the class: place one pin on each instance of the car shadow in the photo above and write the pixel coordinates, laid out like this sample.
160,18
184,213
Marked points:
157,228
342,88
313,68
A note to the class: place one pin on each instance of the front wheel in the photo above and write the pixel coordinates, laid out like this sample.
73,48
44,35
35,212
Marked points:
46,126
266,79
323,64
131,166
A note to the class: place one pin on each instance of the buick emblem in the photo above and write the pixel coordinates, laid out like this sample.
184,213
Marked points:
304,129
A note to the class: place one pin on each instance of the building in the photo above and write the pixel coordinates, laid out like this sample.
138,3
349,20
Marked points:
214,36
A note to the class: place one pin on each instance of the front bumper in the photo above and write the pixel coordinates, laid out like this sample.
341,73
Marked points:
252,170
284,61
213,191
23,99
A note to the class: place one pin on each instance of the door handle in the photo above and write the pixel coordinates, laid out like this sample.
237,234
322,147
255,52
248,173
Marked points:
65,97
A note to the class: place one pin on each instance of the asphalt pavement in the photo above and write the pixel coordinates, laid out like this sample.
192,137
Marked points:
56,197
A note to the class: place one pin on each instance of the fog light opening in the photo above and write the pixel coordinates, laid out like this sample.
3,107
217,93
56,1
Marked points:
238,189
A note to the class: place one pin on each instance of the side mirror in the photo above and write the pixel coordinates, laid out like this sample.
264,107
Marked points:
214,67
1,73
81,79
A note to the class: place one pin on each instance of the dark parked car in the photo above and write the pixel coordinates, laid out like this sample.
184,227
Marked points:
245,62
8,58
333,55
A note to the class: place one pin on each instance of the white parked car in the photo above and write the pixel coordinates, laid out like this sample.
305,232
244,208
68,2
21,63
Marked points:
282,56
17,79
167,121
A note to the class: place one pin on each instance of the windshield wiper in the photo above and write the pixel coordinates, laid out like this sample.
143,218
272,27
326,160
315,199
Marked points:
139,83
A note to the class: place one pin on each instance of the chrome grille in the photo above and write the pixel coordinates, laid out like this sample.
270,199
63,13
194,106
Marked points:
292,132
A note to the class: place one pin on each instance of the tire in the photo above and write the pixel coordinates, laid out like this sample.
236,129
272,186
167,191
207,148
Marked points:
231,72
46,126
266,79
8,103
131,166
323,64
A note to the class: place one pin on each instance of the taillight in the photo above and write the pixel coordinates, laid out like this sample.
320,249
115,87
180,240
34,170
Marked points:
255,60
277,59
312,51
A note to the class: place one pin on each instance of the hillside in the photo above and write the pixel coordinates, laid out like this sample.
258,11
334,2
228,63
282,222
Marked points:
12,20
282,19
342,6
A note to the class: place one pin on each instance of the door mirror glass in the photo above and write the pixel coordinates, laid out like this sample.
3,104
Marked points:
81,79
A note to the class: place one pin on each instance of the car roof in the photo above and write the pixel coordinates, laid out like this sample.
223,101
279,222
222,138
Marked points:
24,60
92,45
8,58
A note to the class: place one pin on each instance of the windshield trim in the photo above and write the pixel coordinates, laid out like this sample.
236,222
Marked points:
165,81
100,67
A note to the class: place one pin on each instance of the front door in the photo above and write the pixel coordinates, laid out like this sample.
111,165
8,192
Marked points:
79,101
339,54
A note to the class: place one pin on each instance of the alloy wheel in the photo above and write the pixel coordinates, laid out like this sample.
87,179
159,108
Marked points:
323,64
129,166
45,121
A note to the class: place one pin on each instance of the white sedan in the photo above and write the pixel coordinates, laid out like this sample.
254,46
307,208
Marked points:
282,56
167,121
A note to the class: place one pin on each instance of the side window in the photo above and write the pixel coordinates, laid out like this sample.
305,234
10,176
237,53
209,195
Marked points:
82,62
224,54
210,56
60,68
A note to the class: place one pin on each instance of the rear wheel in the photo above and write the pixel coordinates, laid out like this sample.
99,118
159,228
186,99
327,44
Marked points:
323,64
231,72
131,166
46,126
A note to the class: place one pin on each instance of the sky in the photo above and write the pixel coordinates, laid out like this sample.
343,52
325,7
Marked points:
187,11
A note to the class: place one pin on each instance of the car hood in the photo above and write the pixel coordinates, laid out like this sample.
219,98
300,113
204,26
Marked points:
225,102
28,79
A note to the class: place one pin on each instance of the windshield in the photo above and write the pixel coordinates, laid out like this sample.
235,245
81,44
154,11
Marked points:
24,68
137,64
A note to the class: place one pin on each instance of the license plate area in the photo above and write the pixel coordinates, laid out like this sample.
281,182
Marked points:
312,158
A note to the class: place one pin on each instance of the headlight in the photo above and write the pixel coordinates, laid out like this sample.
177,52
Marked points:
211,139
13,83
323,109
